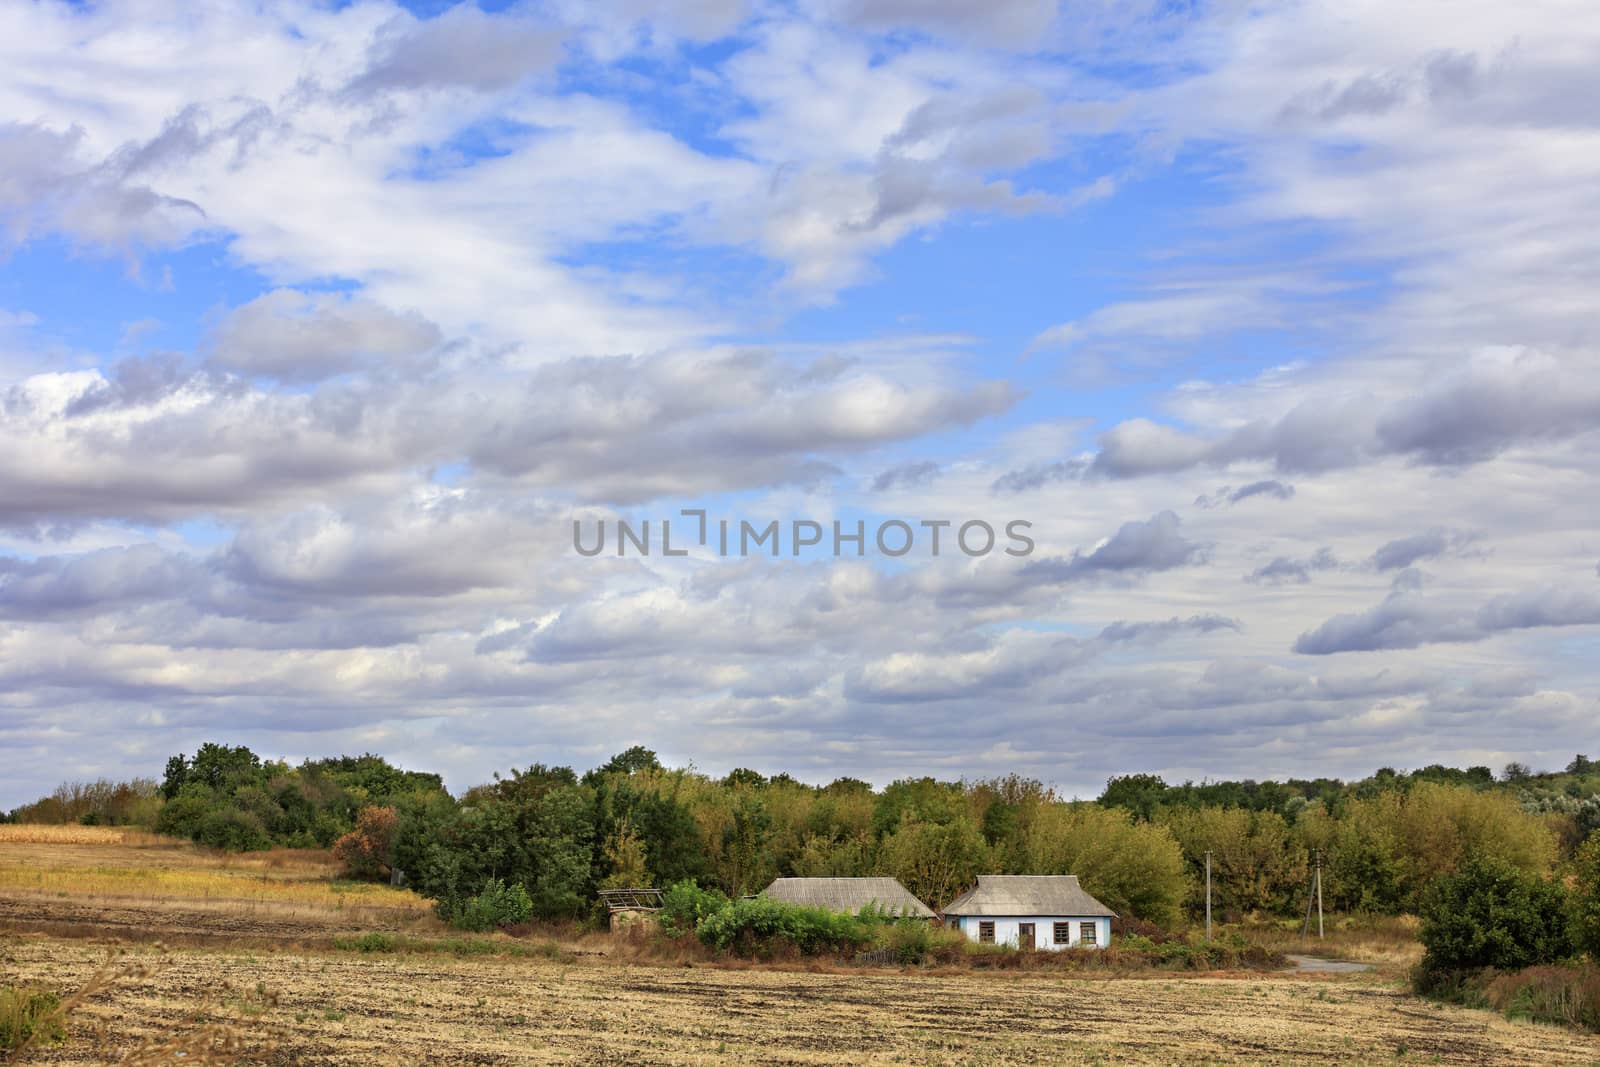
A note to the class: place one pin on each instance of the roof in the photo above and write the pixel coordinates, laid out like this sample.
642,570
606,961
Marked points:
1027,894
849,894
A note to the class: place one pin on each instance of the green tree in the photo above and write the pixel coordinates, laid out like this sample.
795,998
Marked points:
1491,914
935,861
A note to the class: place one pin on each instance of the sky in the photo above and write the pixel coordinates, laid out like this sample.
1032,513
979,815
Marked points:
321,325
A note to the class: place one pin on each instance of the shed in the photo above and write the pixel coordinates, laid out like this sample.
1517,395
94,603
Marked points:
1046,911
849,894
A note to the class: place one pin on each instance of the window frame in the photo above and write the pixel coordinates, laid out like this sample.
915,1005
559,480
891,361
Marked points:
986,931
1089,934
1061,933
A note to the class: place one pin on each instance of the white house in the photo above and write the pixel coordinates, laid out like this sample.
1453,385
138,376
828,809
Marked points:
1045,911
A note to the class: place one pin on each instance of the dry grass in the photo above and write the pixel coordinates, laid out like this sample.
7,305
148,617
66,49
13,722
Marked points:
220,884
39,834
1387,941
350,1008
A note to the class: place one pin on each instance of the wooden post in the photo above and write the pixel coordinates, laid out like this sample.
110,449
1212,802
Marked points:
1208,895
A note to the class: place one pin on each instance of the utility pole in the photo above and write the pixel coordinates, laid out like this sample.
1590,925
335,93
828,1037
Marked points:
1208,895
1319,894
1311,897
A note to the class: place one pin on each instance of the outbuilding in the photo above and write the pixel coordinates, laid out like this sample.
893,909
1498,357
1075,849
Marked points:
850,895
1031,911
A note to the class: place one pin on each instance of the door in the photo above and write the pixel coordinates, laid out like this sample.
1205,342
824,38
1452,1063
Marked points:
1025,939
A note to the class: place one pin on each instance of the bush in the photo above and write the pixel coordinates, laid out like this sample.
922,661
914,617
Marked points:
496,904
233,830
1490,914
685,905
759,926
1569,996
28,1014
1586,899
368,850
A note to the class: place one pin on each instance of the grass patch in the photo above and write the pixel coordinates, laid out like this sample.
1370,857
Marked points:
376,942
29,1015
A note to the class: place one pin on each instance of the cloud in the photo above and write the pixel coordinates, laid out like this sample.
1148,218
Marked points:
1121,632
304,337
1405,620
462,48
1404,551
1283,569
1138,547
905,476
1013,23
1229,495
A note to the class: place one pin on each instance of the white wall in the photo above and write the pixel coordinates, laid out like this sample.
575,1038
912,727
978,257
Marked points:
1005,929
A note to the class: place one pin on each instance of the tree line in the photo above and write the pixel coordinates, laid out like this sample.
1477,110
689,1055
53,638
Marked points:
555,837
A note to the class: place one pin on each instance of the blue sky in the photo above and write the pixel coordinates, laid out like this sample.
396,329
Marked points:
320,325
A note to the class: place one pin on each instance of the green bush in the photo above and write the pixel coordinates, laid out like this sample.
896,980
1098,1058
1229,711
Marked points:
758,926
1490,914
29,1014
685,905
233,830
496,904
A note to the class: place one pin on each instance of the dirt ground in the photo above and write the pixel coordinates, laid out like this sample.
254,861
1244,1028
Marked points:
265,966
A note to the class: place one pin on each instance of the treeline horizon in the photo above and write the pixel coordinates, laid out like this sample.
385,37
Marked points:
562,836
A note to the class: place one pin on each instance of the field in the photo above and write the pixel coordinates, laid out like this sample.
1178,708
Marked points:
264,962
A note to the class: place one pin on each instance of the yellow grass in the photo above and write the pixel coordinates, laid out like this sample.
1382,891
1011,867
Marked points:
191,883
39,834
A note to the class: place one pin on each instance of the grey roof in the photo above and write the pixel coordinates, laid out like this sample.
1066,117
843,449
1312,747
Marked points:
849,894
1027,894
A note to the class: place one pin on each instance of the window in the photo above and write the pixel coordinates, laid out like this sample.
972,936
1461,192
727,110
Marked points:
1086,933
986,932
1063,933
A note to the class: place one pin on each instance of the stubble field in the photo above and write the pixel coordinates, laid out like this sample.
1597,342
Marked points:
266,966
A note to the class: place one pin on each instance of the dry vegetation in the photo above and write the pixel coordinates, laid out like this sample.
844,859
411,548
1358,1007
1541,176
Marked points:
259,969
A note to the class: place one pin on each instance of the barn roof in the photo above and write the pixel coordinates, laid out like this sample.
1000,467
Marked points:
1027,894
849,894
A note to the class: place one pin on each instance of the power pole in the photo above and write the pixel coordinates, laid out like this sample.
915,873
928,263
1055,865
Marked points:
1208,895
1311,898
1319,894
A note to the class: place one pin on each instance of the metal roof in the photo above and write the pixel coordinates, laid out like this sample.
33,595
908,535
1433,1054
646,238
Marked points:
849,894
1027,894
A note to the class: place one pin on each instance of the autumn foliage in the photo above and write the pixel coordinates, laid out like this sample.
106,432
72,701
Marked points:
368,850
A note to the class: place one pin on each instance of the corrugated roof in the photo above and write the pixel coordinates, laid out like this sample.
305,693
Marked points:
1027,894
849,894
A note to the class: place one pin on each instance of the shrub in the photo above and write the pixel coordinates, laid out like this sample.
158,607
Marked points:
1568,995
758,926
29,1014
685,905
233,830
1490,914
496,904
368,850
1586,899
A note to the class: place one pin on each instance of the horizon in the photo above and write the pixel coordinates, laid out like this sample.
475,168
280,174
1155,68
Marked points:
323,327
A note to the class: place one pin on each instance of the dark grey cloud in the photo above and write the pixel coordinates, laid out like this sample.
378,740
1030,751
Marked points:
1039,476
1120,632
462,48
905,476
1405,620
1283,569
1229,495
1141,546
1404,551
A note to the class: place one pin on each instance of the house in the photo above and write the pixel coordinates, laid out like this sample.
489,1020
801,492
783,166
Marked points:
1048,911
849,894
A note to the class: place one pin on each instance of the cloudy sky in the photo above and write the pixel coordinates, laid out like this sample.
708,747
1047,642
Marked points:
320,324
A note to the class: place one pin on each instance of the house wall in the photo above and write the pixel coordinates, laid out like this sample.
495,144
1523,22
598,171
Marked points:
1005,929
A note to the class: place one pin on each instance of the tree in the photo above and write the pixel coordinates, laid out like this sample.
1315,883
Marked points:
1135,868
1586,899
1490,914
1141,794
368,850
935,861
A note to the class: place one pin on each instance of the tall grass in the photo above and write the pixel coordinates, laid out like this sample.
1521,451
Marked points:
200,884
44,834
